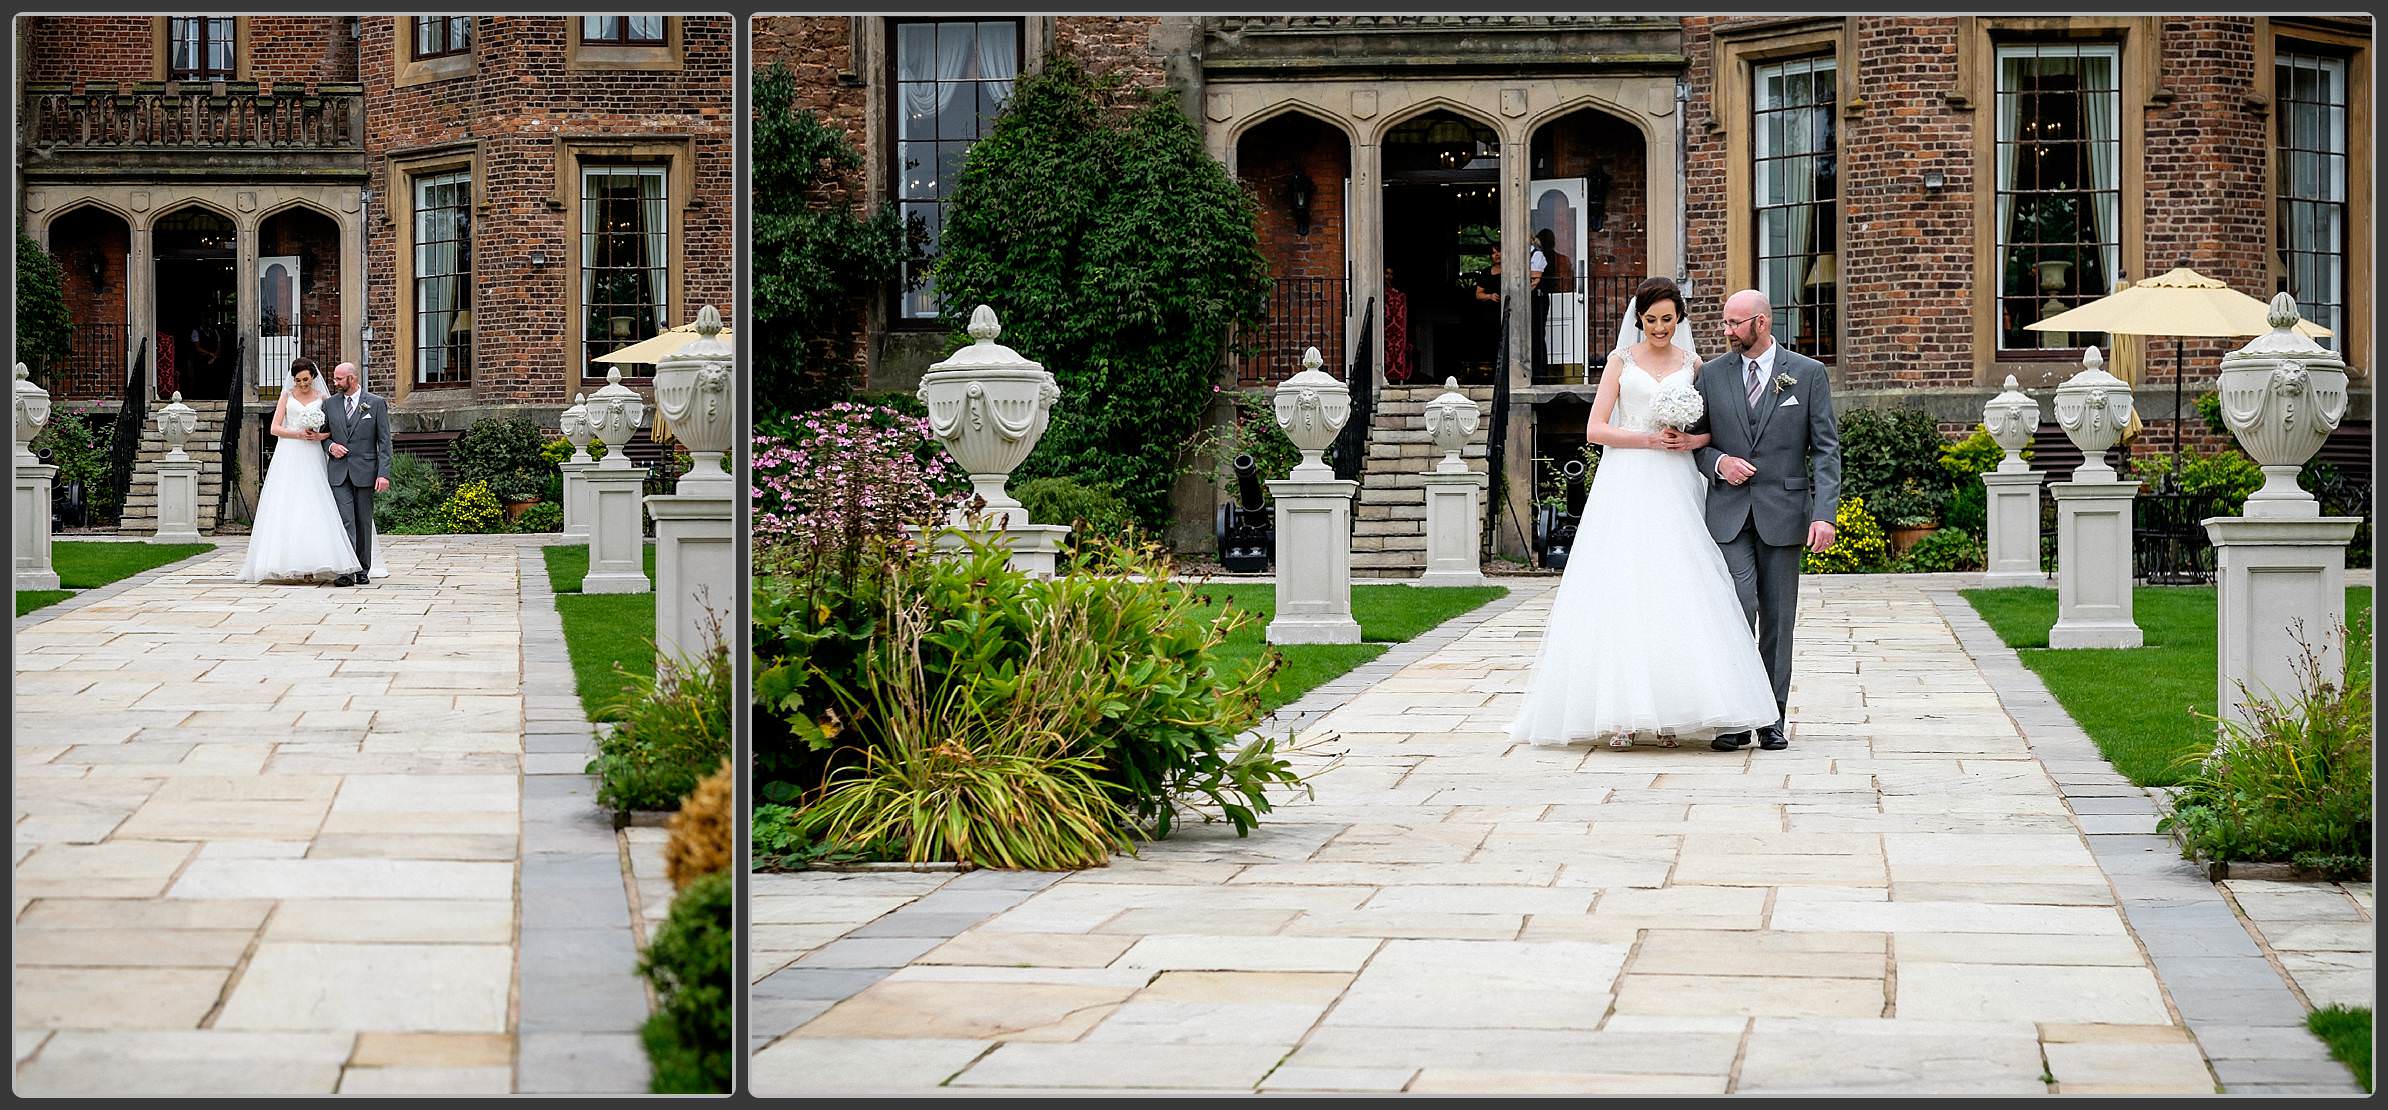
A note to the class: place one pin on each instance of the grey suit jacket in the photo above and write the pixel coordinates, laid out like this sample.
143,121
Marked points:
367,439
1791,438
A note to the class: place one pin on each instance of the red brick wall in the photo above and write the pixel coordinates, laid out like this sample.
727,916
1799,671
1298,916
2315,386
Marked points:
306,49
2206,195
517,102
315,240
1583,141
99,313
1906,261
1121,44
816,49
302,49
1268,158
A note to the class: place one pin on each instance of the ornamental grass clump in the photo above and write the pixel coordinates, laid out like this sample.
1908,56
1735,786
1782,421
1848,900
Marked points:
2293,782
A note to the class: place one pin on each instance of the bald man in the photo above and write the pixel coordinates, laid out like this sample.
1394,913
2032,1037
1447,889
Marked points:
1774,471
359,467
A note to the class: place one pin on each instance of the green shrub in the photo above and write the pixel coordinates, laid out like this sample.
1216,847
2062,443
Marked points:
1858,544
690,964
78,447
503,452
2226,476
2294,782
1892,459
1946,549
44,329
780,844
471,509
2209,407
1253,431
1092,511
673,730
557,451
546,516
414,497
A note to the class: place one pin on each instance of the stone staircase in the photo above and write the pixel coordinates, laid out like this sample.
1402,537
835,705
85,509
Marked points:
205,445
1389,528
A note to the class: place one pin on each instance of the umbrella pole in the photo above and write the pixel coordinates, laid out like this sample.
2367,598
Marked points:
2176,407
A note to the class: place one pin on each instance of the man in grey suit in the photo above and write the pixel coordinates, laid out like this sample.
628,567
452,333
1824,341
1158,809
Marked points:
1774,471
359,467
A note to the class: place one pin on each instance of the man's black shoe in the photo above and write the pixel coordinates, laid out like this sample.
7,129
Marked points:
1729,741
344,580
1773,740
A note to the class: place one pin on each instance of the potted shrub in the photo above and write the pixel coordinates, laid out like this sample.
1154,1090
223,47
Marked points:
518,491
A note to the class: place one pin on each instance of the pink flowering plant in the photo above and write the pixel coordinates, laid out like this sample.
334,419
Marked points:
850,470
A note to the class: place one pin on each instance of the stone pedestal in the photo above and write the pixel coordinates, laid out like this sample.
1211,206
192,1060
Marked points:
696,572
1454,520
1314,562
2093,565
31,503
1035,548
617,541
2014,548
2281,588
178,500
577,508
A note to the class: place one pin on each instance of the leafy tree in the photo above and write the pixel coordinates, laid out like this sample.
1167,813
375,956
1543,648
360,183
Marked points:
1117,252
43,327
817,261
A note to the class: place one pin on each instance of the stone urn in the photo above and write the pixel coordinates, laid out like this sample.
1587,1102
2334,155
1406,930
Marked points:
693,401
1450,419
613,416
989,406
177,422
575,426
32,409
2012,417
1312,407
2282,395
2093,407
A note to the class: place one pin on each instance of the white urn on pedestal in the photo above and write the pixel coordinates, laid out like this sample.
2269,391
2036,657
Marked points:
989,406
696,556
178,476
617,530
31,479
575,425
2013,491
1314,515
2093,516
2280,569
1454,504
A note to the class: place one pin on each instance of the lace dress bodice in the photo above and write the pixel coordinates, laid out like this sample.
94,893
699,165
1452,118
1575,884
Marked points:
1635,392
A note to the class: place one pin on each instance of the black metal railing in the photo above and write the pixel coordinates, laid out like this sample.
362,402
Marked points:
94,363
2169,546
1351,444
124,442
1302,312
231,503
278,344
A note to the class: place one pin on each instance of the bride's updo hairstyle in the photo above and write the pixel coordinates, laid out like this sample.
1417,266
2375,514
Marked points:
1648,294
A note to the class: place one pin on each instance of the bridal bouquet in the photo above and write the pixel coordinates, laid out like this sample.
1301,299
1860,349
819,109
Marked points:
308,420
1677,408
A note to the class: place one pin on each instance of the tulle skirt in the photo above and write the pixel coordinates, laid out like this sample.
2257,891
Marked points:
1646,632
298,536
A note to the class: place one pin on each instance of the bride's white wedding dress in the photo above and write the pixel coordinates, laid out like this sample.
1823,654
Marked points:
1646,633
297,535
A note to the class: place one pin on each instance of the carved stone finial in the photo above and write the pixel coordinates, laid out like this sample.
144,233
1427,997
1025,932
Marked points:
983,325
2283,314
708,321
1311,359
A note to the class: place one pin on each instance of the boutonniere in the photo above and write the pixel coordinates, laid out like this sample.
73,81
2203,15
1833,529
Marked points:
1783,382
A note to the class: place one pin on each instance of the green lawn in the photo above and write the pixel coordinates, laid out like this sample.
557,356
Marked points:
2348,1033
601,630
1388,614
2135,703
87,565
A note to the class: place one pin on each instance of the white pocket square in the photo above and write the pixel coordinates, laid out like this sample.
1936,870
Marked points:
1788,402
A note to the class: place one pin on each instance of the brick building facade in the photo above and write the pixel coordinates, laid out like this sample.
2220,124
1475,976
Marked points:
469,207
1885,179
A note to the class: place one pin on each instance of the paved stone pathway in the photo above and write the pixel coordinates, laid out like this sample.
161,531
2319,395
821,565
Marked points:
269,839
1907,900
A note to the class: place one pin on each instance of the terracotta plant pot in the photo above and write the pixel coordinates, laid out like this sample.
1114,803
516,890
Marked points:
515,509
1903,538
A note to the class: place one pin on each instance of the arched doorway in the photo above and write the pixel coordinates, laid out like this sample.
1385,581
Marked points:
1442,227
90,245
198,327
298,293
1587,203
1298,171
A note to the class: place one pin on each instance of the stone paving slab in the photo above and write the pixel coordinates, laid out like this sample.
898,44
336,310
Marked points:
1940,888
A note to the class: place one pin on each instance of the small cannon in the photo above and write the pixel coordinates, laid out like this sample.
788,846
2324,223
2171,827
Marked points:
1247,529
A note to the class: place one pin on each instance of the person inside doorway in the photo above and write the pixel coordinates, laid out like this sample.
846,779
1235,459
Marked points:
1489,289
1398,361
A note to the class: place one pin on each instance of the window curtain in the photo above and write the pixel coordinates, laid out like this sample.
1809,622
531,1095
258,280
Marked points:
437,253
2010,112
954,54
998,56
1799,193
658,236
2101,114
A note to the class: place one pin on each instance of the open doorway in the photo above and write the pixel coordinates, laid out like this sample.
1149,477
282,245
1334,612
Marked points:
198,340
1442,226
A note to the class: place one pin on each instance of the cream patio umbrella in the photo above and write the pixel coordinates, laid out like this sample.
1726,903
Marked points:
2179,302
655,349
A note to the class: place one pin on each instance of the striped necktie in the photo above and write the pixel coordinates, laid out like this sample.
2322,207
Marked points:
1754,383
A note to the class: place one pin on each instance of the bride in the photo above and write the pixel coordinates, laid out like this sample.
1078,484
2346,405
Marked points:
298,535
1646,635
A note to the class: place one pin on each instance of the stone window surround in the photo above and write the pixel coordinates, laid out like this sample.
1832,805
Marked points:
2319,38
408,71
1735,54
161,46
677,154
2138,44
399,191
665,57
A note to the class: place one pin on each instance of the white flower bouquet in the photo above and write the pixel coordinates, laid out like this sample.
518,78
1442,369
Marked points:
308,420
1677,408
